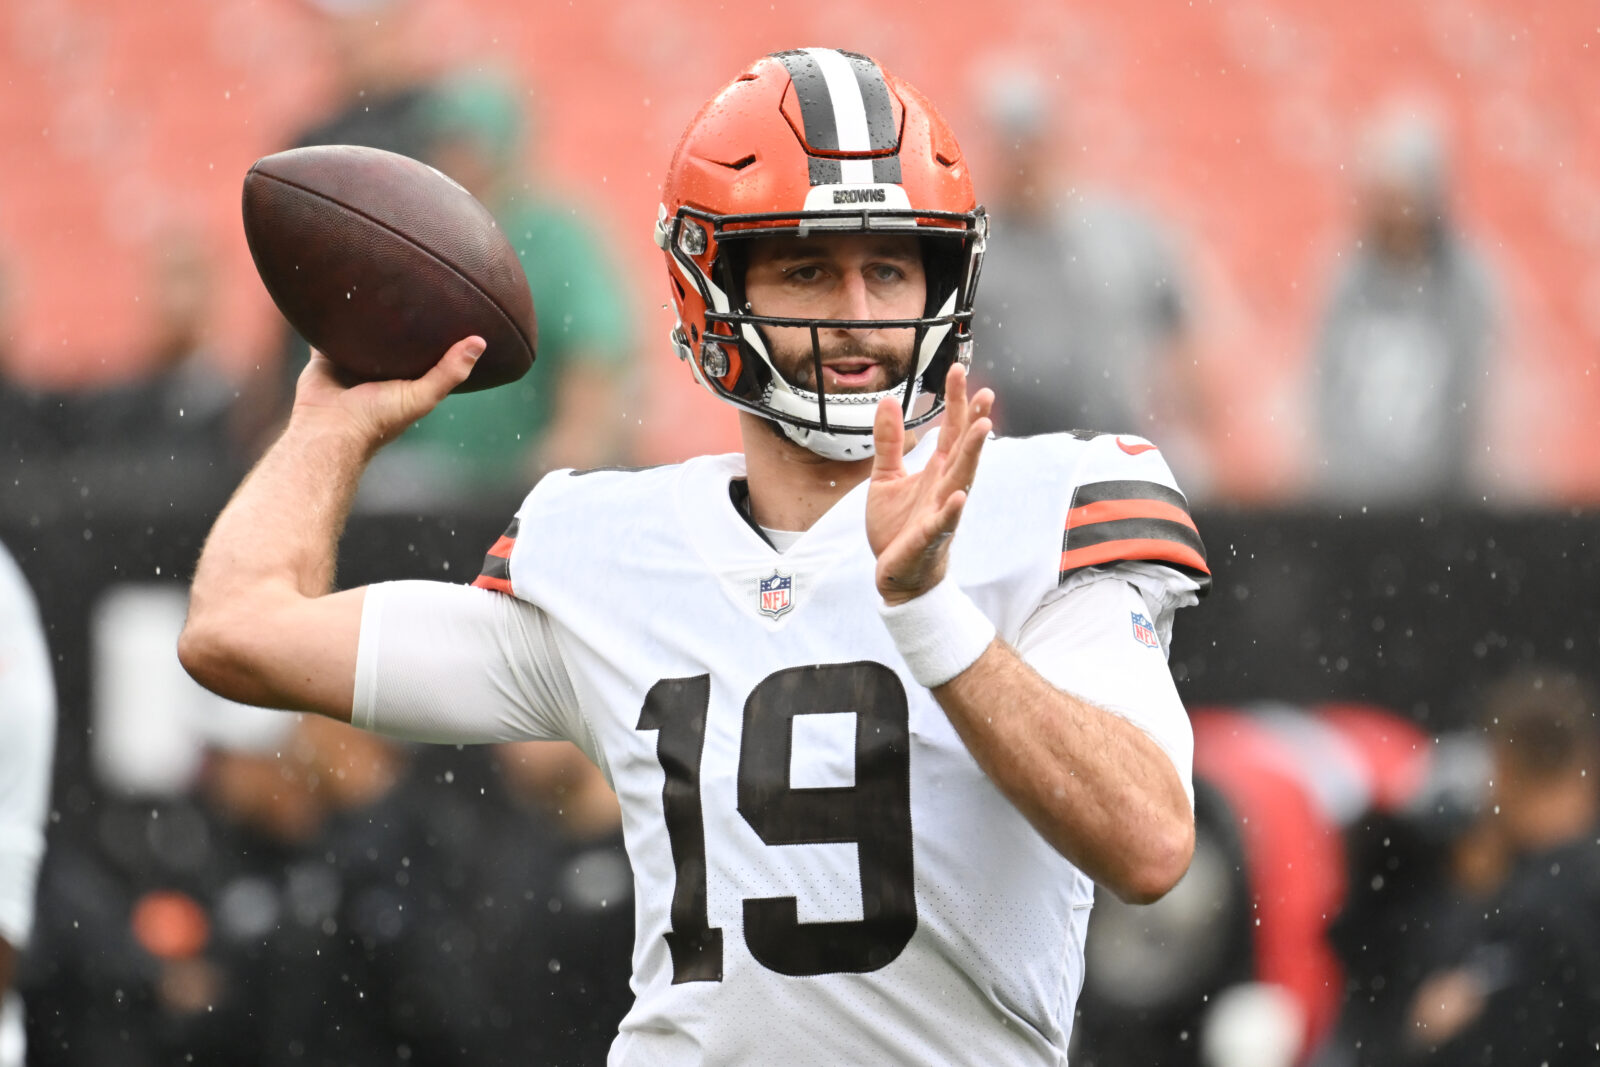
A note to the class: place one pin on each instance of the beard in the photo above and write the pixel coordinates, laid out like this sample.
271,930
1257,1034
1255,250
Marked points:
798,366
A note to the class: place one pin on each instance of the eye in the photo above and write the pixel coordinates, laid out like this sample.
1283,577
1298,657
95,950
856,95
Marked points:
887,272
806,272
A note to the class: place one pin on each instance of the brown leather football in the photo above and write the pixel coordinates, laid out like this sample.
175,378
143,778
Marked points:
383,263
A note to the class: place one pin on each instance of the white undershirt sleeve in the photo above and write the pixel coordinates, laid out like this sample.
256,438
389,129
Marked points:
1086,640
462,665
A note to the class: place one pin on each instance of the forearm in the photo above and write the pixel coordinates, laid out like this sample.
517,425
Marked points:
263,627
282,525
1094,785
271,551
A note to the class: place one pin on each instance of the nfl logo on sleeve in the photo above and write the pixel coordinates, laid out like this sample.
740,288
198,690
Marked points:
1144,632
775,594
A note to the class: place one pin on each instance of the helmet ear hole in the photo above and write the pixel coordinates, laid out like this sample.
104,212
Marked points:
683,293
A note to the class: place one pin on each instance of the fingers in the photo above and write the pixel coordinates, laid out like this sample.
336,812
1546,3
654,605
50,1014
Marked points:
982,403
962,466
943,523
451,370
956,414
397,404
888,439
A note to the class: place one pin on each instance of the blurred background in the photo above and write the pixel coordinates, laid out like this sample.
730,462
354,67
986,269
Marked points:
1341,261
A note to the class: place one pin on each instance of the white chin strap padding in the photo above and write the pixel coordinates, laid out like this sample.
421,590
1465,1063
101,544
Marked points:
841,446
847,411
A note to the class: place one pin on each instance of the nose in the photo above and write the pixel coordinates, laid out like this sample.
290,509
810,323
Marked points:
855,301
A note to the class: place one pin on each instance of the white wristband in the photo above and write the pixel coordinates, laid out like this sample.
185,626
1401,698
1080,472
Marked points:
940,633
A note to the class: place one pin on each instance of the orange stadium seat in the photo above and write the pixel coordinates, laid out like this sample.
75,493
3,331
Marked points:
1234,121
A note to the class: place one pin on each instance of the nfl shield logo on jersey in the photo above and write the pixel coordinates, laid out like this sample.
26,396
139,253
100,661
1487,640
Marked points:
775,594
1144,632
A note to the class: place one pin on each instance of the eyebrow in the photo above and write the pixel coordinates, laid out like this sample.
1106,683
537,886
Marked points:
799,248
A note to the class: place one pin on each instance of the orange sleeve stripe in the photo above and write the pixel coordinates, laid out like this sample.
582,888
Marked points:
1112,510
1140,549
494,585
502,548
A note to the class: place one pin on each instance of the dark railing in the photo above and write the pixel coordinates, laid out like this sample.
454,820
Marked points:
1414,611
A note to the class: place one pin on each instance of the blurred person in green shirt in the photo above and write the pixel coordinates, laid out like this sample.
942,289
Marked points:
565,412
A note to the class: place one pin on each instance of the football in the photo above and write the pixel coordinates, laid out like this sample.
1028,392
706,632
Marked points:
382,263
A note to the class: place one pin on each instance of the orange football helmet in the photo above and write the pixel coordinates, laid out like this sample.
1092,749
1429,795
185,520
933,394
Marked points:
816,141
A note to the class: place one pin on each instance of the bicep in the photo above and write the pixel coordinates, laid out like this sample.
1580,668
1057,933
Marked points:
458,664
1101,642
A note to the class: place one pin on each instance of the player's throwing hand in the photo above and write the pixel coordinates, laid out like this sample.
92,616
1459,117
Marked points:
912,516
379,411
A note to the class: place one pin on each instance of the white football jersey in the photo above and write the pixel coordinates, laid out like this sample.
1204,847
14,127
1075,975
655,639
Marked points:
824,875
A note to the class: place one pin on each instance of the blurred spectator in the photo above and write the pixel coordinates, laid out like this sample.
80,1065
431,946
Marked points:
559,933
379,86
1082,305
159,915
1419,881
1523,986
1407,335
182,403
565,411
175,434
310,903
27,727
25,415
374,959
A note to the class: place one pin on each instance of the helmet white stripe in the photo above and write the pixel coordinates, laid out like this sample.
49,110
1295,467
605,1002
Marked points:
849,110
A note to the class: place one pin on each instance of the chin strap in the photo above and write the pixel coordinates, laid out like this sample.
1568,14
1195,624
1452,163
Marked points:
840,446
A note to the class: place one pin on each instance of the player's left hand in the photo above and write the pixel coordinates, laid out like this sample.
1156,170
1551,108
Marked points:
912,516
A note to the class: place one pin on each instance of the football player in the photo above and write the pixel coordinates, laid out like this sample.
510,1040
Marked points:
879,715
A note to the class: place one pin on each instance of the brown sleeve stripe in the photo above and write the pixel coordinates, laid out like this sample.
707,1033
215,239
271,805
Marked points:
1098,492
496,574
1099,533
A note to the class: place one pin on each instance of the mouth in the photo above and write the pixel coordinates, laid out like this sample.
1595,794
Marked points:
850,375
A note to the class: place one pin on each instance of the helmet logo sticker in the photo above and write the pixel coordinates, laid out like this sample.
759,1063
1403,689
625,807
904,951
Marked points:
775,594
860,196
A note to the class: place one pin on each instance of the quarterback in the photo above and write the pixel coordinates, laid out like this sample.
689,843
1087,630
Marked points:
879,714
